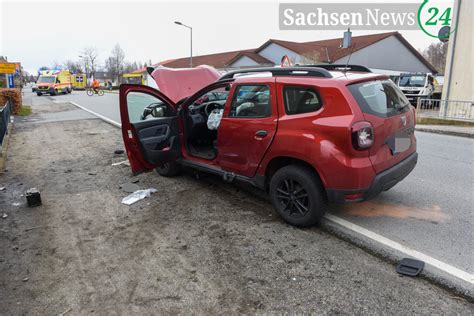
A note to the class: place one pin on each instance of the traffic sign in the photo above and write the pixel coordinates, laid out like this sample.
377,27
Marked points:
7,68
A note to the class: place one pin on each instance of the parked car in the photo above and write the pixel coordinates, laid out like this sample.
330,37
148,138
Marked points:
306,135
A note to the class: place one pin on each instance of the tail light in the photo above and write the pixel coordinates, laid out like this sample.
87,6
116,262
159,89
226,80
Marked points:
362,135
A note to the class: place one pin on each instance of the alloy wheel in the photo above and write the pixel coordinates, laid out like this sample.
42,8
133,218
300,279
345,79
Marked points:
293,197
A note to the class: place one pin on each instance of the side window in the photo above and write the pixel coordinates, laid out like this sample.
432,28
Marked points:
301,100
251,101
143,107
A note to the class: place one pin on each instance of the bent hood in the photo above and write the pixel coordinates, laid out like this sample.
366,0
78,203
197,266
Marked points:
177,84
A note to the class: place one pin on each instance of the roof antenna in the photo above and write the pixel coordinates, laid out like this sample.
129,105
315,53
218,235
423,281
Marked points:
347,43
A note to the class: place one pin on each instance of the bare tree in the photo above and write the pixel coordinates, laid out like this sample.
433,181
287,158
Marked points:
90,56
310,58
116,62
436,55
56,65
73,66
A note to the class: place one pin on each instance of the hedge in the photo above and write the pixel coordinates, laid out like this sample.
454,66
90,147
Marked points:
15,95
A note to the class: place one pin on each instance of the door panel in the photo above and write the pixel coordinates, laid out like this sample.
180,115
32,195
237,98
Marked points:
158,139
150,127
247,128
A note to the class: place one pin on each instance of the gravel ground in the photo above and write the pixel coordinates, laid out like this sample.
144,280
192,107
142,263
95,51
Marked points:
195,246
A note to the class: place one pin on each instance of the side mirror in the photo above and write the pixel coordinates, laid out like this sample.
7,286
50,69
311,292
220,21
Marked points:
158,112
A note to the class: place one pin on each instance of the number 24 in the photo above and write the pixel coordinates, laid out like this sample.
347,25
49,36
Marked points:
445,16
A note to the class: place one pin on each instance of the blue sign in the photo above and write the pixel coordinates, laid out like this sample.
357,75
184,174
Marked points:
11,83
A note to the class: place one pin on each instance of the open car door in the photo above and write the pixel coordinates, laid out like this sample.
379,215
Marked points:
150,127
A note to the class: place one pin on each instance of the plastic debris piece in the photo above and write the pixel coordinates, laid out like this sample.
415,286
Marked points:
125,162
4,215
129,187
25,279
16,204
410,267
3,188
92,173
137,196
33,197
119,151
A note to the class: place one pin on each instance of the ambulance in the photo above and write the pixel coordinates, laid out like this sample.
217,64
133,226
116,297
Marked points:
78,81
54,82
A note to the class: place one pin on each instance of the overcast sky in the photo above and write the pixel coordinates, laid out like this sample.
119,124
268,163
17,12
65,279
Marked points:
37,33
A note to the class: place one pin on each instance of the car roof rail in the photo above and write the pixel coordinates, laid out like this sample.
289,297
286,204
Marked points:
286,71
339,67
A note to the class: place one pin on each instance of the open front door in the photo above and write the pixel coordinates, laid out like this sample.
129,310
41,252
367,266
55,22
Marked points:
150,127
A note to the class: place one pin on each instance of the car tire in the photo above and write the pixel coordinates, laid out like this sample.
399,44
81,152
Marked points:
39,94
54,92
297,195
170,169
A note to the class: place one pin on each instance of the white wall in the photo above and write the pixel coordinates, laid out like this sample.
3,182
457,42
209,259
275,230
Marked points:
275,52
461,87
244,61
387,54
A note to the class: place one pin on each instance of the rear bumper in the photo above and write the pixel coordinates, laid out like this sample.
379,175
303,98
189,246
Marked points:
382,182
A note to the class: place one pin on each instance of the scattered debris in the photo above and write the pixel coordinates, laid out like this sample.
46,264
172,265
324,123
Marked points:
119,151
67,170
4,216
129,187
135,181
33,197
92,173
125,162
25,279
3,188
66,311
16,204
31,228
137,196
410,267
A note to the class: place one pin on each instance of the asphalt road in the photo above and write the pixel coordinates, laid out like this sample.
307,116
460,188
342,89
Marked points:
430,211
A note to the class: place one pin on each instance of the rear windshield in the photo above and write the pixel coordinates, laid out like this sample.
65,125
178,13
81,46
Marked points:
381,98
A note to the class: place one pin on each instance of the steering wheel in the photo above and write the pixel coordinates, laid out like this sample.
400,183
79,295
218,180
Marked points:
207,109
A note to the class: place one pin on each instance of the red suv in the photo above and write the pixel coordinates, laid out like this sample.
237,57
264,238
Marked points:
307,135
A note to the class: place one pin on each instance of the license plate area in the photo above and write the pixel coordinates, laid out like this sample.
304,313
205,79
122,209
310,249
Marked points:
400,142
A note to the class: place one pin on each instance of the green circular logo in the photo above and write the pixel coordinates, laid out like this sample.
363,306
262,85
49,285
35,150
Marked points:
431,18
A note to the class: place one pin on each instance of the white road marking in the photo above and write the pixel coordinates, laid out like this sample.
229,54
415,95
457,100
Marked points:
106,119
458,273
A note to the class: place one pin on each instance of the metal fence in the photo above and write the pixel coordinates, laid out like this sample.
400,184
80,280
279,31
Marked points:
5,112
445,109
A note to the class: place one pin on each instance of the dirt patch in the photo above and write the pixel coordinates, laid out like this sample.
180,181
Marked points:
193,247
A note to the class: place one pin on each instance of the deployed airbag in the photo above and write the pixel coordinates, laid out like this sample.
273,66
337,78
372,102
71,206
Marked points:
214,119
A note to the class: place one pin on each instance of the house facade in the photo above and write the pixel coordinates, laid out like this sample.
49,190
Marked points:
387,53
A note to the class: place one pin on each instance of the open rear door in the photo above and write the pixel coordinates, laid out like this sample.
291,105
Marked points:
150,127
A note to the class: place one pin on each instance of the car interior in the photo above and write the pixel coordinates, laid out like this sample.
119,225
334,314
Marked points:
249,101
202,141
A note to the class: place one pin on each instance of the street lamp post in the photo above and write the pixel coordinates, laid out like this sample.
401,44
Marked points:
85,65
191,29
